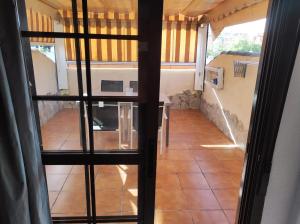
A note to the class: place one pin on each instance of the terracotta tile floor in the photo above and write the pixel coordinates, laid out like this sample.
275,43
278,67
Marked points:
197,179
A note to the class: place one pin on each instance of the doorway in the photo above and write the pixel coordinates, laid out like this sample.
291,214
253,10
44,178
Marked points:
85,153
142,159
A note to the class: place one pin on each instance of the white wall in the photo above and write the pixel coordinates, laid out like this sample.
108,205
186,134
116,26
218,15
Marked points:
44,73
230,108
173,81
282,204
60,57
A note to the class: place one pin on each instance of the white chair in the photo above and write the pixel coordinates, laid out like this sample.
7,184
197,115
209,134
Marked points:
161,119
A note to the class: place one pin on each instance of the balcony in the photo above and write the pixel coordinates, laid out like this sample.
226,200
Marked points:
198,175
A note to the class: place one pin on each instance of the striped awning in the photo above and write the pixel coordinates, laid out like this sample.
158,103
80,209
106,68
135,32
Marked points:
39,22
104,50
179,41
219,13
171,7
232,12
179,37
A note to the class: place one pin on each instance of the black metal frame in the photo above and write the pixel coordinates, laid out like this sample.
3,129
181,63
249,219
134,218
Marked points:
99,219
280,47
149,42
85,98
78,35
279,51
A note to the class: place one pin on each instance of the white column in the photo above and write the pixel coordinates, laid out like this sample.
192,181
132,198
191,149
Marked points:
201,57
60,59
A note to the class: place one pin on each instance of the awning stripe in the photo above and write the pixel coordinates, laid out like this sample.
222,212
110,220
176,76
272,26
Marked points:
39,22
168,42
187,43
99,44
109,47
178,32
128,41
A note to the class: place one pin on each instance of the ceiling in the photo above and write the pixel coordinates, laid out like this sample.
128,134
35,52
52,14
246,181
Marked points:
189,7
171,7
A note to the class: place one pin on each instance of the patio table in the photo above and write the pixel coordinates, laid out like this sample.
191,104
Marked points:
162,98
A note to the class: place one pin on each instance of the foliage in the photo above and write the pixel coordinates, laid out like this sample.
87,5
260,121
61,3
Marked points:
242,45
233,41
246,46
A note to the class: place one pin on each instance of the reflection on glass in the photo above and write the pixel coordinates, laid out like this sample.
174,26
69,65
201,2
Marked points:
114,79
51,16
115,125
113,17
114,68
60,125
55,70
66,188
116,189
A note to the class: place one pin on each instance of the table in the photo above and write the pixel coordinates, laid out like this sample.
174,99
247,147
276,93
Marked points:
162,98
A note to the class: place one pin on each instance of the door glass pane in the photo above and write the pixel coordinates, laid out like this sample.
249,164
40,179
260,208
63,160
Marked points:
115,125
54,65
66,187
114,67
52,16
113,17
116,189
60,125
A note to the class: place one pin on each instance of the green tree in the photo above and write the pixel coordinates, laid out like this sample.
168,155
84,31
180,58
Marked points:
246,46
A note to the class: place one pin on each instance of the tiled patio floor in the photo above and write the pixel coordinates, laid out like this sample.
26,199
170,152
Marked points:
197,176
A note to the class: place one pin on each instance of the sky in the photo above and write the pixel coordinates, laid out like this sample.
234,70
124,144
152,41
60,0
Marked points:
257,26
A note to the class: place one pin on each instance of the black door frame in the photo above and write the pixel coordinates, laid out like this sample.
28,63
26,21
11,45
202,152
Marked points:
280,45
149,56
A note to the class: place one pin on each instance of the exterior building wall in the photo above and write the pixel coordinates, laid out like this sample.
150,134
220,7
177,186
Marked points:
176,83
44,74
230,107
46,84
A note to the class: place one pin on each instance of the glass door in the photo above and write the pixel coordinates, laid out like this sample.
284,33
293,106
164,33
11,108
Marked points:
100,129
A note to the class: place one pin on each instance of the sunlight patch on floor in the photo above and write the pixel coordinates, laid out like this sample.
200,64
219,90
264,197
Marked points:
221,146
225,118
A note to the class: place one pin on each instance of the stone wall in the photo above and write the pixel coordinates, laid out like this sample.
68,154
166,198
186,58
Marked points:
47,109
235,98
186,100
227,122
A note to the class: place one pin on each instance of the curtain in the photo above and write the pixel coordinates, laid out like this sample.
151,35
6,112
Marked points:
23,189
